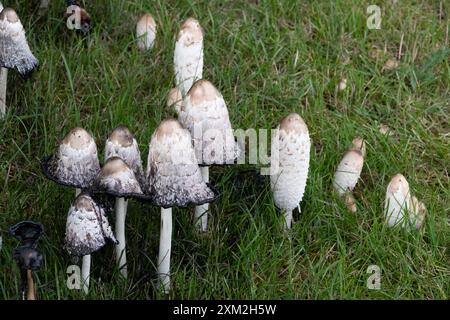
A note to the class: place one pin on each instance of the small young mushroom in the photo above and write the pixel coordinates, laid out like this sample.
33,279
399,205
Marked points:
14,51
400,207
205,115
146,32
87,230
28,258
188,56
117,178
342,85
174,179
347,175
359,144
76,162
289,164
175,100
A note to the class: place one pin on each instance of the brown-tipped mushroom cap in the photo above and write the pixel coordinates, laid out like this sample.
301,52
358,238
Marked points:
14,50
87,228
348,171
76,162
190,32
117,177
122,136
201,91
173,175
146,32
293,123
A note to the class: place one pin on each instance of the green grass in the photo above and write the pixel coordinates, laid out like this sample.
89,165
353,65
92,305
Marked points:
268,58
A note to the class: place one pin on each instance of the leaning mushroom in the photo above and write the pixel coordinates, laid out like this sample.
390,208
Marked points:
400,207
28,258
204,113
289,164
14,51
188,56
87,230
173,179
117,179
76,162
146,32
348,172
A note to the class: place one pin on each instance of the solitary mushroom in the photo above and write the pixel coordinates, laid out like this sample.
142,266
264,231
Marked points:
175,100
400,207
87,230
28,258
173,179
289,164
14,51
204,113
146,32
348,172
117,179
188,56
76,162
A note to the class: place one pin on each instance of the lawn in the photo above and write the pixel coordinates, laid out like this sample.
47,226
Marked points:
268,58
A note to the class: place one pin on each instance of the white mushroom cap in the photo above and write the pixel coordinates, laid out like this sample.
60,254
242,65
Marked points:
290,166
76,162
348,172
146,32
116,176
397,200
14,50
205,115
121,143
175,99
418,213
173,175
188,55
87,227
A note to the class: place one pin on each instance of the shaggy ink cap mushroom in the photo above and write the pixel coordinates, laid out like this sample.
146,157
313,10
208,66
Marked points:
146,32
14,50
76,161
87,227
173,174
27,232
205,114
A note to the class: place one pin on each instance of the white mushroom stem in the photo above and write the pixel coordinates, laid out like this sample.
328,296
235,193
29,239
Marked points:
201,211
85,272
288,219
121,256
3,82
165,245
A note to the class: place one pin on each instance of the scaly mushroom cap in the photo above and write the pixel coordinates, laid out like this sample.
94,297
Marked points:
188,55
116,176
87,227
146,32
14,50
397,200
121,143
205,115
76,162
348,172
290,162
175,100
173,175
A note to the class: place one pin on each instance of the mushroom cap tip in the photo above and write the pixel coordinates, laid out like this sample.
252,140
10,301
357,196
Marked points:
10,15
122,136
78,138
293,123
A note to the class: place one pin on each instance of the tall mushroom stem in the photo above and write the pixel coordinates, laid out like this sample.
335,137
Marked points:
3,82
30,284
288,219
165,245
121,256
85,272
201,211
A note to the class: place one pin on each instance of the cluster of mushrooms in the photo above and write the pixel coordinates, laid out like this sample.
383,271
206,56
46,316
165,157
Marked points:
177,172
